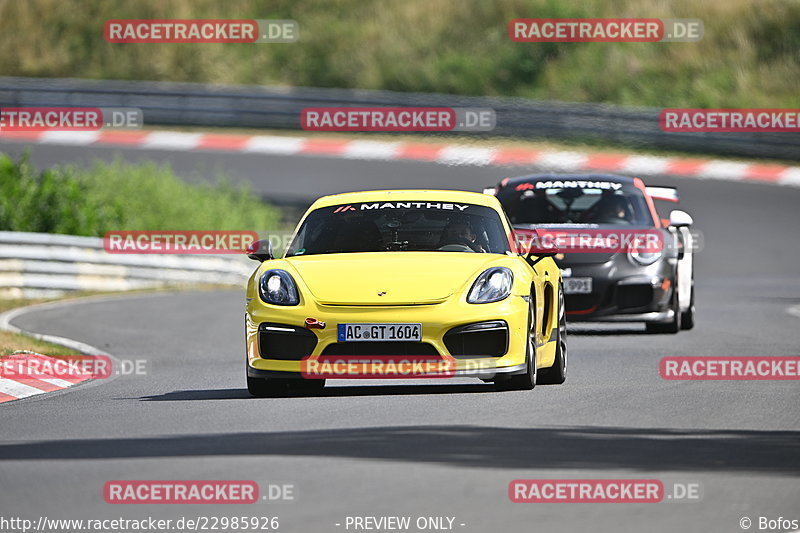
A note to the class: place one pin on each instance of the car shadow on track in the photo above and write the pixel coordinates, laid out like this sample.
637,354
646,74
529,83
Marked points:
606,330
579,447
327,392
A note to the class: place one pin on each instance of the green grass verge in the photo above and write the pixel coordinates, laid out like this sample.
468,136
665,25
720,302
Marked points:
122,196
12,342
747,58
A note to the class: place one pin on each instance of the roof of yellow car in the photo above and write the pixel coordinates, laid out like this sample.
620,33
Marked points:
468,197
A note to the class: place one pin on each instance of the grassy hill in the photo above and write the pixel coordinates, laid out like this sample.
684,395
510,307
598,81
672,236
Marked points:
750,56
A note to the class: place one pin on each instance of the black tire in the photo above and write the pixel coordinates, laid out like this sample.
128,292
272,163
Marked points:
687,317
266,388
673,326
557,374
526,381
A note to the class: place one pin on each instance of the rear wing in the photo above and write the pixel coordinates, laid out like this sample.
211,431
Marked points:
667,194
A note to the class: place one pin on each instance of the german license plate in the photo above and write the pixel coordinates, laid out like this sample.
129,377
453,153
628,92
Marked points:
379,332
577,285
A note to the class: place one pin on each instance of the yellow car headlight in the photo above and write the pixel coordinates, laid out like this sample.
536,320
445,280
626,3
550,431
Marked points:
278,288
494,284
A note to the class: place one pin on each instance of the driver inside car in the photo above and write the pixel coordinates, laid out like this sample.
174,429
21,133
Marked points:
609,207
460,232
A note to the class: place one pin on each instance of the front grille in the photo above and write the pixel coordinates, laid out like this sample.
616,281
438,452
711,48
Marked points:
482,339
629,296
380,348
283,342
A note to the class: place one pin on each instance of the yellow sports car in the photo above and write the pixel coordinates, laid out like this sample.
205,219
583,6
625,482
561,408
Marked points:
399,276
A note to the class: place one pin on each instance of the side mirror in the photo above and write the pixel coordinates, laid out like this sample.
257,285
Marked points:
260,250
679,219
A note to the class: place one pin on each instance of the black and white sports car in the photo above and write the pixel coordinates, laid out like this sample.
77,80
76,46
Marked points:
653,286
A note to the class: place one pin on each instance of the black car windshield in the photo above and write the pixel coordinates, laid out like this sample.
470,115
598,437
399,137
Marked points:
541,203
399,226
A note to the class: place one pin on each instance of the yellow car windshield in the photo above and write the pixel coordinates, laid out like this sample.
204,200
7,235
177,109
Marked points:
400,226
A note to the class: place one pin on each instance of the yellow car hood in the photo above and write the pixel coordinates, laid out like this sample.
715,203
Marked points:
389,278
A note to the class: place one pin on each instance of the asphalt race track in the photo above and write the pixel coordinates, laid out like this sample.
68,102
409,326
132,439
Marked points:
447,448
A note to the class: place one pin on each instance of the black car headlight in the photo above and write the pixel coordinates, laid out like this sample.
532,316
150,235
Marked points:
641,258
494,284
277,287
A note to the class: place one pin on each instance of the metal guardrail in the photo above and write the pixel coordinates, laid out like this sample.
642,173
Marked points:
195,104
34,264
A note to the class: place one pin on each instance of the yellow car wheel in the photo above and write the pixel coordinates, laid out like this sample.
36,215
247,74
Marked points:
557,374
526,381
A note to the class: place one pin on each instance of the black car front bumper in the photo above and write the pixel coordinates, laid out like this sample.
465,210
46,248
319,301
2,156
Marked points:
621,290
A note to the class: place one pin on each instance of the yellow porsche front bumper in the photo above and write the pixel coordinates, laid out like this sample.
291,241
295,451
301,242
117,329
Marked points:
436,320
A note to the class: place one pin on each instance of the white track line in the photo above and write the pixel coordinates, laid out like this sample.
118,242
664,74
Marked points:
17,389
723,170
168,140
78,138
466,155
274,145
645,164
791,177
563,161
371,150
